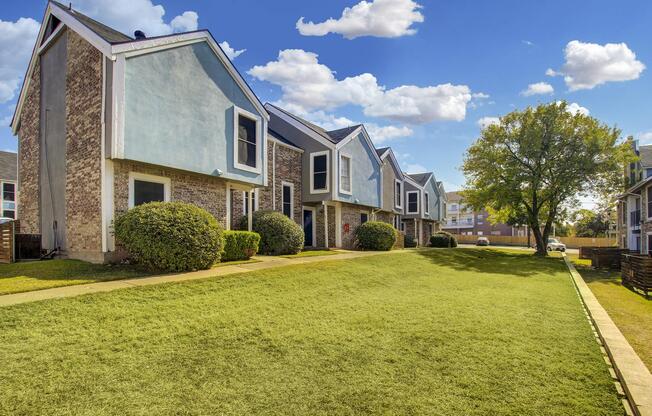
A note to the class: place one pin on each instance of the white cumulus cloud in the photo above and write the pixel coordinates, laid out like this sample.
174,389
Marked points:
380,18
590,64
485,122
415,168
16,43
308,85
538,89
231,52
575,108
130,15
379,134
4,122
645,138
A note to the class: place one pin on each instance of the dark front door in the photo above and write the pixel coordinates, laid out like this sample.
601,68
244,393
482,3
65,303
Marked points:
307,227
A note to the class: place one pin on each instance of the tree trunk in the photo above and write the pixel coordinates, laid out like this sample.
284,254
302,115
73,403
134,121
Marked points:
540,241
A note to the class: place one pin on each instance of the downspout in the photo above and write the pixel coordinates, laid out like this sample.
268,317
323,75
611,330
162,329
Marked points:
274,175
325,224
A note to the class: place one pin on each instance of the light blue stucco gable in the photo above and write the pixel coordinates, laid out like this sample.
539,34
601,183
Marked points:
179,112
435,199
365,171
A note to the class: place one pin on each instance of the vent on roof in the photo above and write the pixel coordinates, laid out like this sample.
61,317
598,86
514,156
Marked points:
139,34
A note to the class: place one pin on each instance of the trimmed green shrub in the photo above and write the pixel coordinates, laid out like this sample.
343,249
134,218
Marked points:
170,236
240,245
443,239
409,241
279,235
375,235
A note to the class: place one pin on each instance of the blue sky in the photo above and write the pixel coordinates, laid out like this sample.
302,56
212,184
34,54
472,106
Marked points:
420,73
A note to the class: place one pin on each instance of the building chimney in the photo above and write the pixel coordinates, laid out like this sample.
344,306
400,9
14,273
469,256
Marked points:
139,34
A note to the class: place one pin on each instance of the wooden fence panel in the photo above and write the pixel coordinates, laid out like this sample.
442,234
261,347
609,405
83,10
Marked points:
507,240
7,242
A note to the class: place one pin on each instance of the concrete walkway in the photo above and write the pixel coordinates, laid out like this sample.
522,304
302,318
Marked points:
634,375
264,262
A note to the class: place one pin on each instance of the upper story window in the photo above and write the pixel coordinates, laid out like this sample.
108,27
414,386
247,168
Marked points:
453,207
147,188
345,174
398,192
247,138
648,172
413,202
426,203
9,200
319,174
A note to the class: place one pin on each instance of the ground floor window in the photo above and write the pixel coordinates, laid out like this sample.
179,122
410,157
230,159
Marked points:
254,201
649,244
147,188
288,199
9,200
364,217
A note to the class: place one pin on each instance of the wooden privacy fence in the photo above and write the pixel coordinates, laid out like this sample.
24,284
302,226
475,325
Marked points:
508,240
637,272
7,232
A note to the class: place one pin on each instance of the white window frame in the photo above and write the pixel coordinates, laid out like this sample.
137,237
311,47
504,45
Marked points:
15,201
343,191
407,202
398,196
312,172
426,203
134,176
237,112
255,205
291,186
647,203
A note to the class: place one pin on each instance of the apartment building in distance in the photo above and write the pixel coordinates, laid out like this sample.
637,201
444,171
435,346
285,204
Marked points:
461,219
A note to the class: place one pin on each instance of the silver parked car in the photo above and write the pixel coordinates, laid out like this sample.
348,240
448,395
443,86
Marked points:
555,245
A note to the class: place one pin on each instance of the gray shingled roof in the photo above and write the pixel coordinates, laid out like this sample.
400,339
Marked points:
334,136
105,32
279,137
420,178
8,165
645,153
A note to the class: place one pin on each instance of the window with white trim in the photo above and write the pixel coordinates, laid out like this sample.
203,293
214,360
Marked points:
145,188
345,174
413,202
398,192
9,200
247,141
319,173
287,199
254,201
426,203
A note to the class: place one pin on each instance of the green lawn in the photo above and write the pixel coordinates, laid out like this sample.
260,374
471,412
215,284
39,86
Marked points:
433,332
630,311
35,275
313,253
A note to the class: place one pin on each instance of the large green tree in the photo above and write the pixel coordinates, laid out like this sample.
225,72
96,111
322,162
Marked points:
535,163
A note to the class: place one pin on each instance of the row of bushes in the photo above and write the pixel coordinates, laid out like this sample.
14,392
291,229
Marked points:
175,237
439,239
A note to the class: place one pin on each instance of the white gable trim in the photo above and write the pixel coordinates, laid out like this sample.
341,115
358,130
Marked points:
370,144
140,47
72,23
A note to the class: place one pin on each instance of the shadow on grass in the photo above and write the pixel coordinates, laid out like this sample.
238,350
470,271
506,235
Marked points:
493,261
605,276
61,269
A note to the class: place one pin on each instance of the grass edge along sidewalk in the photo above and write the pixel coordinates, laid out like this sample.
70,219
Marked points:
629,368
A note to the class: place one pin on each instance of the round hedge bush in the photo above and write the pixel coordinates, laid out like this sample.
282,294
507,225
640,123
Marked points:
240,245
170,236
409,242
443,239
375,235
279,235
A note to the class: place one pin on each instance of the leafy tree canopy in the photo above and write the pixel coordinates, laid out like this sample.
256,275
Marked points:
536,163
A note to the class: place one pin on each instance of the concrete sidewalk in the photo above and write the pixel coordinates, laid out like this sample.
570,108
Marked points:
264,262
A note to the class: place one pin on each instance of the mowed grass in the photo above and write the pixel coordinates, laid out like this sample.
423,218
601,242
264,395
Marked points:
630,311
445,332
36,275
313,253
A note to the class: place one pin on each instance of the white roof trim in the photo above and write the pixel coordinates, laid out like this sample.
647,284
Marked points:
353,134
281,143
412,182
139,47
73,24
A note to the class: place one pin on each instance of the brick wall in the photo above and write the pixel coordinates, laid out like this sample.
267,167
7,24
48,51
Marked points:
204,191
385,216
409,228
83,149
29,155
350,217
